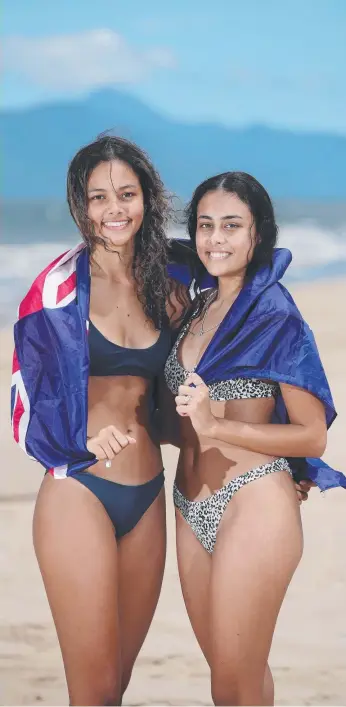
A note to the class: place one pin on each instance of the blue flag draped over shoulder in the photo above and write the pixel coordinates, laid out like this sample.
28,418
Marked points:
263,335
51,367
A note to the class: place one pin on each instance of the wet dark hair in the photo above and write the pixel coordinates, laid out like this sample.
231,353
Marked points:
252,193
151,244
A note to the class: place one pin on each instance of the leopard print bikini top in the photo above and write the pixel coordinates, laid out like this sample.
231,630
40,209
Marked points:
235,389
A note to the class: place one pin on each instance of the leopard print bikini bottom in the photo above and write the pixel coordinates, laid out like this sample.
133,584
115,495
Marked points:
204,516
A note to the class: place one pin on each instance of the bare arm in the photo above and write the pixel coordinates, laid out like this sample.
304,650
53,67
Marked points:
306,436
166,419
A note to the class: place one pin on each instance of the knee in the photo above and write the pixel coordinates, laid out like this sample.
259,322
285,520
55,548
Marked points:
100,692
223,694
223,688
97,698
235,690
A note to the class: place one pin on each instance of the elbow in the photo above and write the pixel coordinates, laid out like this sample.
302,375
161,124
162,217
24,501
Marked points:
318,443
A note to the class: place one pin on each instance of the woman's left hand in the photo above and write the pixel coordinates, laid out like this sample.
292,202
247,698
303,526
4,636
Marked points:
193,401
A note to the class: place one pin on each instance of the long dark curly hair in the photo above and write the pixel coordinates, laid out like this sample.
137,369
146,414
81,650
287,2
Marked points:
151,245
252,193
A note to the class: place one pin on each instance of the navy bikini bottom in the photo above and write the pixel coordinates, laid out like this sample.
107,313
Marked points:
124,504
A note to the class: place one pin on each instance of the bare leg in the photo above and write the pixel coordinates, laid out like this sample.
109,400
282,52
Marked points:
77,554
87,579
141,562
268,687
258,548
260,536
194,565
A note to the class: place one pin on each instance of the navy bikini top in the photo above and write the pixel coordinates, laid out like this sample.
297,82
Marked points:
108,359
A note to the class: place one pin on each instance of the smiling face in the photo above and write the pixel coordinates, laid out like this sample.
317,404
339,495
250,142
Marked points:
225,235
115,203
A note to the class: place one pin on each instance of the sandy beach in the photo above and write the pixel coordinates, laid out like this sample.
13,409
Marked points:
309,651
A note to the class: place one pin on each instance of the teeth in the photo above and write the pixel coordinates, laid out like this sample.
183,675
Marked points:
218,255
115,224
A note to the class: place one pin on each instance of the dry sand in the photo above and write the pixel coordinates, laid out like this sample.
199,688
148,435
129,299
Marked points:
309,650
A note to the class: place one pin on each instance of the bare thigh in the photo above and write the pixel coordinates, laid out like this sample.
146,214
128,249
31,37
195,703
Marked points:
77,553
141,562
194,565
258,547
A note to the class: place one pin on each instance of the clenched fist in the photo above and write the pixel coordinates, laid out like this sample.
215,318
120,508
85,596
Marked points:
109,442
193,401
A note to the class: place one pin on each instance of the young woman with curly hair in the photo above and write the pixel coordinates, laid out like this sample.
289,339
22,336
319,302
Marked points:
99,533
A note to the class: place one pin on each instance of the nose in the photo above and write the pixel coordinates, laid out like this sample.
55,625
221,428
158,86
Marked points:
116,206
217,236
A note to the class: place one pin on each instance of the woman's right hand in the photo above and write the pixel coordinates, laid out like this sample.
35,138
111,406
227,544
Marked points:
303,488
108,443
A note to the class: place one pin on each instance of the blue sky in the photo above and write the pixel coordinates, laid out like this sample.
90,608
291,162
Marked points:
276,62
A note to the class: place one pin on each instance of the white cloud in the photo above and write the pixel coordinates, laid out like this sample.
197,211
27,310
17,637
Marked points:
83,61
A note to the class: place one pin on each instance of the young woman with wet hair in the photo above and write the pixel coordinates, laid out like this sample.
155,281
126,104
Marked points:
92,337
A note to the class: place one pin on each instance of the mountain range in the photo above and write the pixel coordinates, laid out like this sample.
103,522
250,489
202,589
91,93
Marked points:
38,142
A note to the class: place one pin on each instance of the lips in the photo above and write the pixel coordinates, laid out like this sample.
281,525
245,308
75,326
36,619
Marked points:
116,225
218,255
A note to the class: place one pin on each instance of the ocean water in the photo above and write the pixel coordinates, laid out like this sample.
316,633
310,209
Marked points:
317,253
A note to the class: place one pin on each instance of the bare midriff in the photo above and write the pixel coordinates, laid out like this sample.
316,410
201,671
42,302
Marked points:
205,464
124,401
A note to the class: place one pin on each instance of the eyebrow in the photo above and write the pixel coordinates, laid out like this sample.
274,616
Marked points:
126,186
223,218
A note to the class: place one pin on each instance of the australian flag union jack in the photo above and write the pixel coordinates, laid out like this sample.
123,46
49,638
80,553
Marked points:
263,336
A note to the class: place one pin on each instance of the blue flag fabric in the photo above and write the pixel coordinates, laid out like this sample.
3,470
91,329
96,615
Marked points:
263,335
